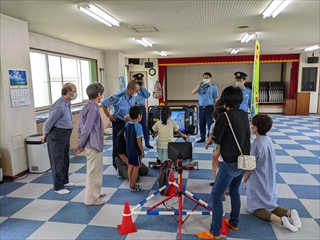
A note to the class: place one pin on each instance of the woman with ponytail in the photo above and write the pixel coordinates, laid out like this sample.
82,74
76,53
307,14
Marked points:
165,129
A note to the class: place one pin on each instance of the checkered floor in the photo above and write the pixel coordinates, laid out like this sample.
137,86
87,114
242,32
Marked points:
29,208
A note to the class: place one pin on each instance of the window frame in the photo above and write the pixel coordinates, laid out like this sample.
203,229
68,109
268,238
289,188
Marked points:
93,62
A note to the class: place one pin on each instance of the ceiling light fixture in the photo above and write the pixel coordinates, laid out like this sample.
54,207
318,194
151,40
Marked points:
247,37
275,7
234,50
98,14
162,53
144,42
312,48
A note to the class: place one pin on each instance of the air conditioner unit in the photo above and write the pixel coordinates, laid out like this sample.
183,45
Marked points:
134,61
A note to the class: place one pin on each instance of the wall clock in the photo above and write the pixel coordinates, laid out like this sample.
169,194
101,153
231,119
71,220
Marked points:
152,72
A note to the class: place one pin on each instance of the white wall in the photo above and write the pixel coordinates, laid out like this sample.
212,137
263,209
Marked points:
114,67
17,123
313,95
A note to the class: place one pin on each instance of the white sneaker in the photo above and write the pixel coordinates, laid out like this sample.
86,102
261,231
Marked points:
287,224
70,184
295,218
63,191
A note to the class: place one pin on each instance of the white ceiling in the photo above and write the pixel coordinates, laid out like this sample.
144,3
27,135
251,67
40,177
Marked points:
185,28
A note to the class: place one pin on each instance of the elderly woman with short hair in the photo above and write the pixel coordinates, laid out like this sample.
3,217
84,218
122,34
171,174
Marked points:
90,139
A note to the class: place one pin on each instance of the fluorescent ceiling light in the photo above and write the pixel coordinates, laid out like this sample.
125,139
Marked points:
234,50
98,14
275,7
144,42
162,53
247,37
312,48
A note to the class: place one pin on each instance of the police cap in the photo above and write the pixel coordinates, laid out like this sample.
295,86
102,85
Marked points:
138,76
240,75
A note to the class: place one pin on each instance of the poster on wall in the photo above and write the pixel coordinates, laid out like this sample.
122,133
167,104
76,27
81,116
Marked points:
19,87
121,83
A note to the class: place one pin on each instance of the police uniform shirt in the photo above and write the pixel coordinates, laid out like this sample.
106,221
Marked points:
246,102
207,94
142,95
121,102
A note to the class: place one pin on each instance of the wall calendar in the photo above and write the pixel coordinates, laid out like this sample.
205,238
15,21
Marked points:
19,88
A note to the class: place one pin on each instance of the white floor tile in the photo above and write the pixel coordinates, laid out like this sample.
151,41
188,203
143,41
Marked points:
312,168
285,159
40,209
311,147
55,230
31,190
110,216
313,206
300,153
285,141
299,179
300,137
79,179
309,230
284,191
199,186
107,160
146,234
29,177
2,219
73,167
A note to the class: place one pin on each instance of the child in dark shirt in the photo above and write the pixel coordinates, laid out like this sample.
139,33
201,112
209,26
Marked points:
134,150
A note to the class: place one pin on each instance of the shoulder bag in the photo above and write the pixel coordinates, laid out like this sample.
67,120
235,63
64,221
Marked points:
245,162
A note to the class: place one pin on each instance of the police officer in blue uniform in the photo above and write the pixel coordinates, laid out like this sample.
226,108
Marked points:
122,102
142,95
240,78
208,96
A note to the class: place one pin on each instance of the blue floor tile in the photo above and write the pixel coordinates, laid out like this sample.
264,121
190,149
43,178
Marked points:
316,176
200,174
11,205
18,228
290,168
97,232
305,191
318,221
289,204
281,152
122,195
306,160
51,195
9,187
292,146
76,212
45,178
78,159
111,181
253,226
279,179
107,153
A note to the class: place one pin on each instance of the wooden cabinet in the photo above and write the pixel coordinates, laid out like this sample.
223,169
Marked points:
289,106
303,103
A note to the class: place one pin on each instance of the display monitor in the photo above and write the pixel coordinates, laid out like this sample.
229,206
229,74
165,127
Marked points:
178,117
181,150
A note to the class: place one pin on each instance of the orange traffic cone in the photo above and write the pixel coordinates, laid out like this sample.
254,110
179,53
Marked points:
171,188
127,225
224,227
